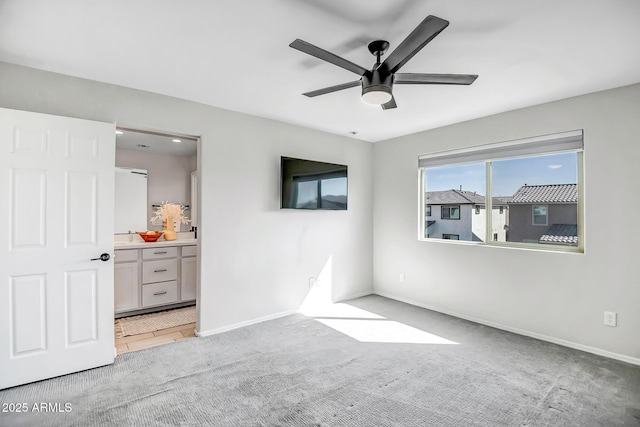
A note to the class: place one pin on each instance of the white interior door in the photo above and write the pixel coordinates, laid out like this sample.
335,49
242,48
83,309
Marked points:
57,186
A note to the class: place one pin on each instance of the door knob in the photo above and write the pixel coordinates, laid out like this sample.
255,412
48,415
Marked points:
104,257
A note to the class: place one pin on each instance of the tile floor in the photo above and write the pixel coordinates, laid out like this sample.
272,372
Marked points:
152,339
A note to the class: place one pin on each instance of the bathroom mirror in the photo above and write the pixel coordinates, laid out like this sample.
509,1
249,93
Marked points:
130,200
167,160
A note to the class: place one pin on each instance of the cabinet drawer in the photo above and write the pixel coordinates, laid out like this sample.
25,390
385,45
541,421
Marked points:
162,252
159,293
127,255
189,250
160,270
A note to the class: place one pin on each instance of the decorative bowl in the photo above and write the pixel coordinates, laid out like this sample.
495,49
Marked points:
150,236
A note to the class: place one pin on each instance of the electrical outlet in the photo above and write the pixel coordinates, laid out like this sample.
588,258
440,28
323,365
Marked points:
401,277
312,282
610,318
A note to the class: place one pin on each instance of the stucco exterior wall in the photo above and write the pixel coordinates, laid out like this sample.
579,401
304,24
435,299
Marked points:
521,226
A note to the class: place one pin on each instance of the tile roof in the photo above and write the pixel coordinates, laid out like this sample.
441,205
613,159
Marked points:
561,233
459,197
501,200
552,193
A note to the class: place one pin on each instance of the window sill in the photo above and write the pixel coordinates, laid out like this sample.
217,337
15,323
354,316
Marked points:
510,245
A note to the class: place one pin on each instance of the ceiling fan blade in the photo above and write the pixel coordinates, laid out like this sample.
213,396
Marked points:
319,53
389,105
419,37
434,79
332,89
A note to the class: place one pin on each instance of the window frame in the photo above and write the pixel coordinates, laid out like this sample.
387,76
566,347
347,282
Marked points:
533,215
564,142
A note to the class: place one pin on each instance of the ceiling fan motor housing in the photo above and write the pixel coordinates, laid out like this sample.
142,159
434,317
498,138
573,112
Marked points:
376,87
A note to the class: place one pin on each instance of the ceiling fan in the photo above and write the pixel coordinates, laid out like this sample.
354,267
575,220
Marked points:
377,83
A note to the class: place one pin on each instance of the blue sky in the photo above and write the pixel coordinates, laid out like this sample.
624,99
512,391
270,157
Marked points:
508,175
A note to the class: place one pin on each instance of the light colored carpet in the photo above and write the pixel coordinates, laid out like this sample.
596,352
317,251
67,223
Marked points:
299,371
152,322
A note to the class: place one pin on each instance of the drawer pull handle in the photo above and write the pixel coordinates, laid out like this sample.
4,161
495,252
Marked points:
160,253
160,271
160,293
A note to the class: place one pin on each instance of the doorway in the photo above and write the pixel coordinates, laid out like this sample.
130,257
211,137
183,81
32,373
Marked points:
156,279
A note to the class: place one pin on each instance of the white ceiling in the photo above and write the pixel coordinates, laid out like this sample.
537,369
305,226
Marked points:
154,143
235,54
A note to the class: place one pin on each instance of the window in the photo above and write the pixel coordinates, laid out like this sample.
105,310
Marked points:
530,189
539,214
428,212
450,212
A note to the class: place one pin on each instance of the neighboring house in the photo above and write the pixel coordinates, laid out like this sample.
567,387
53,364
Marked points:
461,215
544,214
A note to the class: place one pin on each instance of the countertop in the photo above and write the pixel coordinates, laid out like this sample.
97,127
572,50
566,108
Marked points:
121,241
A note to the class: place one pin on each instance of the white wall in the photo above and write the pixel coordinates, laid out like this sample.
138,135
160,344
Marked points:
561,296
256,259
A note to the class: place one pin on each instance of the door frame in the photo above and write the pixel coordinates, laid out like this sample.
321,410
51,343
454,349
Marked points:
198,140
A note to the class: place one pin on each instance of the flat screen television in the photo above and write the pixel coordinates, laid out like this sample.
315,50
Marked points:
307,184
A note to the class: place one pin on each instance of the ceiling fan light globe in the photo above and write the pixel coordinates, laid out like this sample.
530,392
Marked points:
376,96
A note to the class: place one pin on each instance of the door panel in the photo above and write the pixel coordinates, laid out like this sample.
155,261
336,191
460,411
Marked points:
188,278
81,307
126,286
29,141
82,148
81,208
28,316
56,305
28,199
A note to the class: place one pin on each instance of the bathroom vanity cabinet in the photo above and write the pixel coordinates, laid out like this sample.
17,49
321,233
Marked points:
153,277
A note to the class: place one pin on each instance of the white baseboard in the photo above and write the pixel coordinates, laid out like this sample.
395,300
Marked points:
246,323
565,343
354,296
269,317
